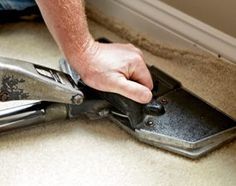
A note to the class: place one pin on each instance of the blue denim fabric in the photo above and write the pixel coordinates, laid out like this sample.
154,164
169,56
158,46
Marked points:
16,4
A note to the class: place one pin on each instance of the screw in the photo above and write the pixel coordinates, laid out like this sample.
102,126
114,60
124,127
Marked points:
149,123
164,101
77,99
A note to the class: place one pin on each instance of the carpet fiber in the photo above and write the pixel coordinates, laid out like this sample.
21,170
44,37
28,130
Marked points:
83,152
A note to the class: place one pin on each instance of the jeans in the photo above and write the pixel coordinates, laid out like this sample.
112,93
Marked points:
16,4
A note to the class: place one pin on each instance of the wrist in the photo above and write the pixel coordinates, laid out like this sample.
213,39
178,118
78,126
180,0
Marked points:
80,56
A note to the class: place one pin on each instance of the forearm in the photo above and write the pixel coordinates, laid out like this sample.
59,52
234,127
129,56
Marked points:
66,20
118,68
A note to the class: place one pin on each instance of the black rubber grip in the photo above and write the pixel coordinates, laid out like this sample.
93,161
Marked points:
132,109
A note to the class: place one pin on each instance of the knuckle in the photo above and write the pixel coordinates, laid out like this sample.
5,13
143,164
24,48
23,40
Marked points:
140,51
137,58
130,45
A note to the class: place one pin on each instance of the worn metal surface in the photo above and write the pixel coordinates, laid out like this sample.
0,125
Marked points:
31,113
20,80
10,88
188,118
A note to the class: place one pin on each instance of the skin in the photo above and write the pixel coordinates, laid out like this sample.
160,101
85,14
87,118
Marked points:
117,68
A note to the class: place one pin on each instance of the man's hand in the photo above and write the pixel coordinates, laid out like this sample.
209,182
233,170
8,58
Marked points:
115,68
118,68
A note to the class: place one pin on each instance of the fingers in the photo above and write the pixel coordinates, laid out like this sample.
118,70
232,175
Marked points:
139,71
132,90
120,69
142,75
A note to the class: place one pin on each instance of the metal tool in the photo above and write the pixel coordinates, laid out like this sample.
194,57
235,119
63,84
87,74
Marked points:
174,120
26,81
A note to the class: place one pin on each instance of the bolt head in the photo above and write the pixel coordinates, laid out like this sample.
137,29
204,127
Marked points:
149,123
77,99
164,101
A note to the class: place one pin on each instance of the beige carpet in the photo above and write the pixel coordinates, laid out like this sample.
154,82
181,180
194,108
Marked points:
84,152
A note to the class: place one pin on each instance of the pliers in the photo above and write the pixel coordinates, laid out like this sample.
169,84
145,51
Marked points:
175,119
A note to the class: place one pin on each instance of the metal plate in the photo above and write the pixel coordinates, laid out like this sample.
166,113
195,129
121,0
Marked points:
189,127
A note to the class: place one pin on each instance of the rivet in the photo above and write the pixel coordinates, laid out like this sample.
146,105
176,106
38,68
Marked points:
78,99
149,123
164,101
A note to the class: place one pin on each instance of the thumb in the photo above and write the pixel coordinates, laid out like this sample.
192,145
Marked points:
132,90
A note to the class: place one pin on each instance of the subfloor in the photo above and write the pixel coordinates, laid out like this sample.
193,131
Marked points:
83,152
